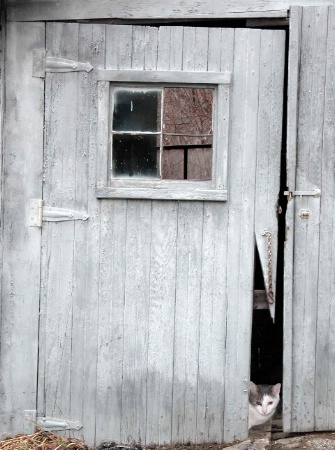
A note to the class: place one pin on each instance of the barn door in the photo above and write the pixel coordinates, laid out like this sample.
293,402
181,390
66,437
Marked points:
309,363
147,279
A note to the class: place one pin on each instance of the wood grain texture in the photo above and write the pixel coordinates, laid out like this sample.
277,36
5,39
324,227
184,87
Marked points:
213,305
163,194
111,304
20,278
291,148
152,9
87,238
242,174
312,354
68,341
188,280
306,234
58,239
308,349
269,150
325,361
163,76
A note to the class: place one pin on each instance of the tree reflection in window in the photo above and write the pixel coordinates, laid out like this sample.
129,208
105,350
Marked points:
162,133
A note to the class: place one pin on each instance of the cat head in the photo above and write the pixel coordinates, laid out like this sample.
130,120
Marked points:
264,397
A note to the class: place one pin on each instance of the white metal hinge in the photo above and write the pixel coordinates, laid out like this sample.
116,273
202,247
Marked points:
43,63
311,193
39,213
54,424
50,423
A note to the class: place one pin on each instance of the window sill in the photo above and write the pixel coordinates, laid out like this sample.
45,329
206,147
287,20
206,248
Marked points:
162,193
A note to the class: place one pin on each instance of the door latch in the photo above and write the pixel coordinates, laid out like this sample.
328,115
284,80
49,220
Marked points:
39,213
311,193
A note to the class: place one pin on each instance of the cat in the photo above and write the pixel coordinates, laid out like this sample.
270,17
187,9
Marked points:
263,401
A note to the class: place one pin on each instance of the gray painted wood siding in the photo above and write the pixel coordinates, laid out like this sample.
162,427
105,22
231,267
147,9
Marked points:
309,364
22,180
152,9
145,309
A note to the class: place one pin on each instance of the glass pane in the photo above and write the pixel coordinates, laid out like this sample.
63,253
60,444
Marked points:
187,163
135,156
173,165
187,133
199,164
137,110
188,111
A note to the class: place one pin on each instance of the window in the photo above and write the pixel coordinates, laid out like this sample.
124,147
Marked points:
162,134
162,139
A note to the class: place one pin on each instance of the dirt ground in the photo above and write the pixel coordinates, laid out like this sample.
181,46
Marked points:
49,441
313,441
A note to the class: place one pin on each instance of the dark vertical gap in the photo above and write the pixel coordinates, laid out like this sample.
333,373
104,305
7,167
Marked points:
267,337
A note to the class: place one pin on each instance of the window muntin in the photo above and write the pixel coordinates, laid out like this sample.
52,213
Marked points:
164,134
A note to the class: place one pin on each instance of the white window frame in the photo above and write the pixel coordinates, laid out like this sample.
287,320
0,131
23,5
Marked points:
214,189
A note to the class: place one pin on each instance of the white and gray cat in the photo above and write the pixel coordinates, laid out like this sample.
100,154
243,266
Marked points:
263,401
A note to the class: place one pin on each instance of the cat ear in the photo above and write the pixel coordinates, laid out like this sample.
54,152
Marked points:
253,388
276,389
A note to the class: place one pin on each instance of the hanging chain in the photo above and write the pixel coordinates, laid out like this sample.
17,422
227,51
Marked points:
270,295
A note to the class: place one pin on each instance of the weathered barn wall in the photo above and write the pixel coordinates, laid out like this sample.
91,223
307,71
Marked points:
309,333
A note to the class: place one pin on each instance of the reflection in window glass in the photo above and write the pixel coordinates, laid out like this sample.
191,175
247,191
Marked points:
180,148
135,156
187,133
137,110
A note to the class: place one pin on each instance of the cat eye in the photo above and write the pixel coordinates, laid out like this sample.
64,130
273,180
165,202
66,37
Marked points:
270,403
259,403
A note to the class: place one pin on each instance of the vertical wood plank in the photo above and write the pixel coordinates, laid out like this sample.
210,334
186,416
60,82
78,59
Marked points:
87,238
211,388
308,176
240,230
325,362
111,320
186,345
22,181
292,129
162,284
134,390
161,322
269,149
58,239
103,172
188,278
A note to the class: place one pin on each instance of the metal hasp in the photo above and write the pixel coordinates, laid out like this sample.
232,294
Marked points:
39,213
311,193
53,424
43,64
304,213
